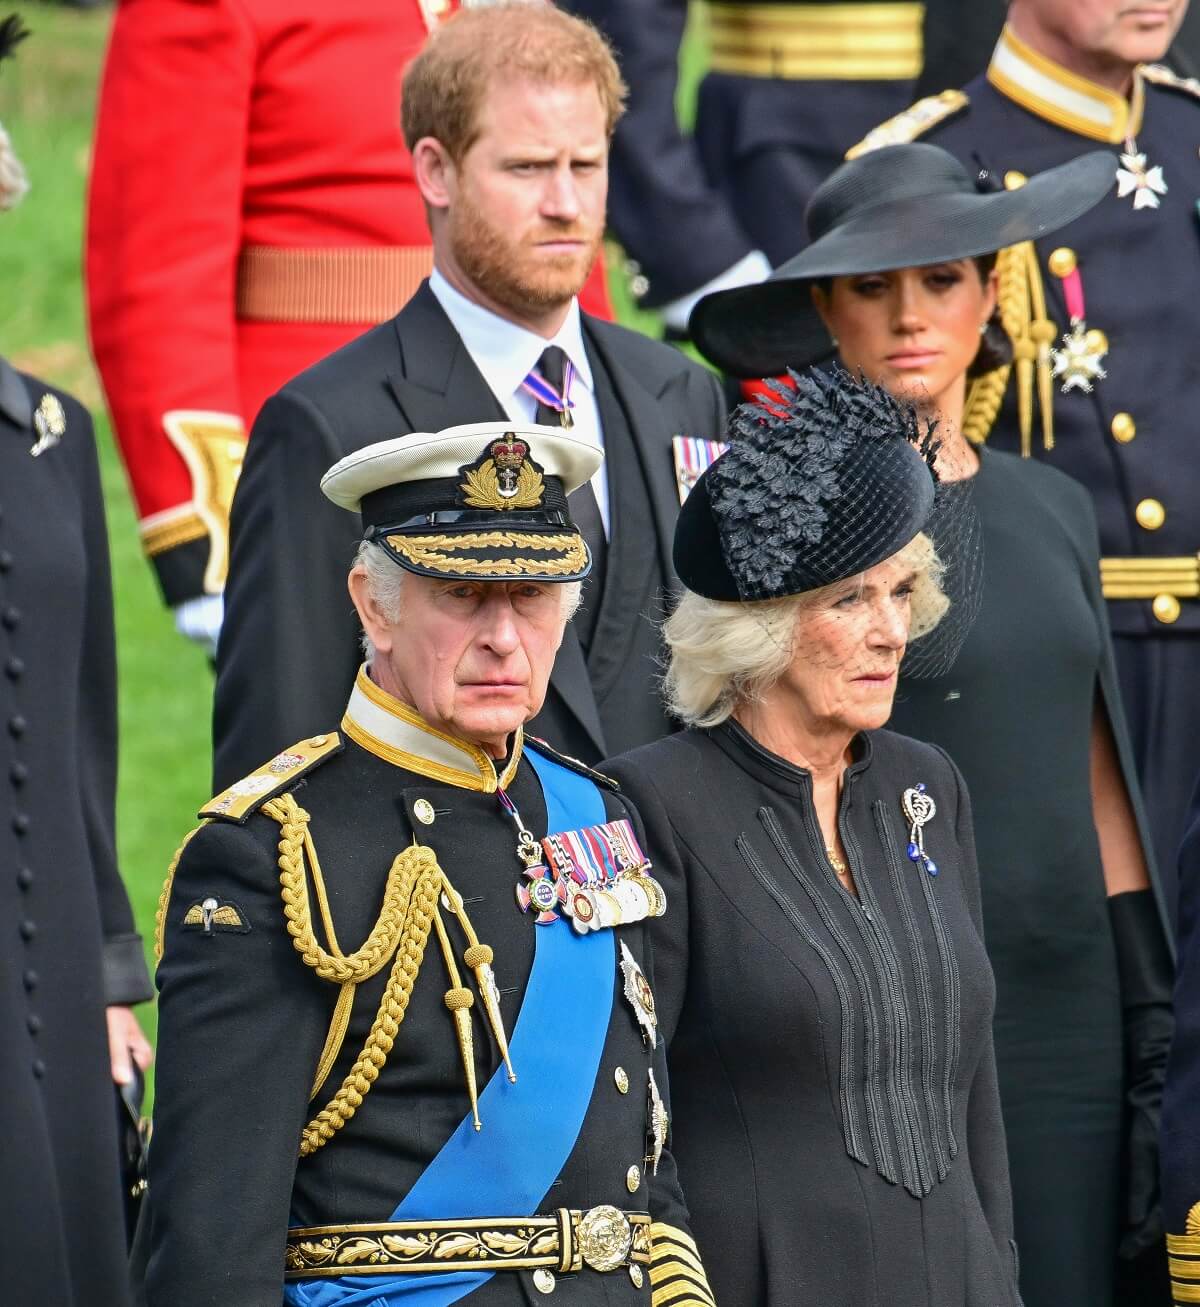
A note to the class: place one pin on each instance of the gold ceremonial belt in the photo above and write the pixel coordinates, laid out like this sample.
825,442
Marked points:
1148,578
601,1239
368,284
848,42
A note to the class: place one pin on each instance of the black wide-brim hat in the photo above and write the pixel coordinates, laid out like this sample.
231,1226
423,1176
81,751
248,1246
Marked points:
902,206
486,501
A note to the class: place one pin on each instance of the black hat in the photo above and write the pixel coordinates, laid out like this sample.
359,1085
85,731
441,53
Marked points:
901,206
823,480
486,501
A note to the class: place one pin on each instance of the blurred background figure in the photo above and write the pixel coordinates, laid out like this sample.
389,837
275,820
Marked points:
1105,383
788,87
900,279
252,208
71,963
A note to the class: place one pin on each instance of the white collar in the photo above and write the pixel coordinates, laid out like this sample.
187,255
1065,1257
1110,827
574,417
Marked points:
1064,98
399,734
503,351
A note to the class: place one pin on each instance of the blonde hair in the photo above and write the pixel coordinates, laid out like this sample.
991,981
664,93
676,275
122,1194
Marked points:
726,653
446,85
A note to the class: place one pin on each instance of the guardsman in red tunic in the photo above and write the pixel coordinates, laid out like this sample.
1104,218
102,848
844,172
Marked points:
252,209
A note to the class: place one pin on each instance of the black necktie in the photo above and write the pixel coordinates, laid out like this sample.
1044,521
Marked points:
585,511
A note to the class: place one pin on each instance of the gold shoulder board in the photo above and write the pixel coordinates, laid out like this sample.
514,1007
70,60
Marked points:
915,121
246,796
1161,75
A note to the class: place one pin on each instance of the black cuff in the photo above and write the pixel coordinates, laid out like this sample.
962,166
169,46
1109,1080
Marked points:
126,979
181,571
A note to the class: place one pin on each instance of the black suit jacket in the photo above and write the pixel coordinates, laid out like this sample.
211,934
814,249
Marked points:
289,644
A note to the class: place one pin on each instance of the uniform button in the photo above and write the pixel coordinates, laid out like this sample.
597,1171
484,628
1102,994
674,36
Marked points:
1166,609
1062,262
621,1080
1150,514
18,773
636,1275
318,740
543,1280
20,823
423,812
17,726
24,878
1014,180
30,980
10,618
6,561
33,1023
1123,428
14,669
28,929
633,1179
39,1068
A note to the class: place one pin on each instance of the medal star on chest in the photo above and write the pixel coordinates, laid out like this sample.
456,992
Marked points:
1144,184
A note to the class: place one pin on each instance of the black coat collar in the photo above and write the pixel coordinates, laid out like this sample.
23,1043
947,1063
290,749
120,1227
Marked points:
15,403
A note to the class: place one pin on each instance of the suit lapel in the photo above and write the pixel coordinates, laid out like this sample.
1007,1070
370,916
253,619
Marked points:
436,382
651,432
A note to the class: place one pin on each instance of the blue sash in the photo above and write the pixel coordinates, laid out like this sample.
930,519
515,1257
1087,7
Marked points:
499,1171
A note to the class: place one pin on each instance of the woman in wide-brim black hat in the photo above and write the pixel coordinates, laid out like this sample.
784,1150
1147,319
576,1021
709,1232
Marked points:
898,282
821,975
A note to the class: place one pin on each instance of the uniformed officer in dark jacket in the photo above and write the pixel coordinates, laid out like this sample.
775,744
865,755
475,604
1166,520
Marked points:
408,1043
1103,318
788,88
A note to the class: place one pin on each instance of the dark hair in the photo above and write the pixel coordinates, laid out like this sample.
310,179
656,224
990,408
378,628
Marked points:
995,347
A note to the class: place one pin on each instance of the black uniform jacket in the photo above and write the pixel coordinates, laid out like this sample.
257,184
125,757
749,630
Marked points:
69,945
837,1121
243,1021
1131,436
289,644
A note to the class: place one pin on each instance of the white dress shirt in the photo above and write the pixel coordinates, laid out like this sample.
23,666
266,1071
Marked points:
506,354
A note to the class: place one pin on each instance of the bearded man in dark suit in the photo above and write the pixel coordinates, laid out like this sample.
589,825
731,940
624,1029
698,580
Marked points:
508,112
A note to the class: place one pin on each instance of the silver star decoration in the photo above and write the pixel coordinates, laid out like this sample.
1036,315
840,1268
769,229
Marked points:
1145,184
1078,362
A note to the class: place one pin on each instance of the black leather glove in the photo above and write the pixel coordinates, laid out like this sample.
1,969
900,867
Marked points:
1144,963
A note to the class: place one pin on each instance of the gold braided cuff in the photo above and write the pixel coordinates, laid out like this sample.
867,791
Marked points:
1147,578
601,1239
677,1276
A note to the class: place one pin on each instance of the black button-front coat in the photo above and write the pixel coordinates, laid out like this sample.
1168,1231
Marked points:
837,1122
69,946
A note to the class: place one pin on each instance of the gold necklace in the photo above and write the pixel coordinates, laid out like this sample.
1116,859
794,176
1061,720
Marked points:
839,867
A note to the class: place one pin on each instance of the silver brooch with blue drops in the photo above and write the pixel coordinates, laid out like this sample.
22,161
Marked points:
919,811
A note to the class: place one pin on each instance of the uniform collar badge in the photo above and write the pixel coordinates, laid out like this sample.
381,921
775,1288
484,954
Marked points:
504,477
50,423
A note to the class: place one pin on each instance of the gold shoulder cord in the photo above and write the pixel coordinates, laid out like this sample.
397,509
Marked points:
410,912
1021,300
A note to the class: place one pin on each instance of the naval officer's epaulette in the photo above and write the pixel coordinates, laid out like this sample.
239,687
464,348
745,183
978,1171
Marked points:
915,121
572,764
1160,75
245,797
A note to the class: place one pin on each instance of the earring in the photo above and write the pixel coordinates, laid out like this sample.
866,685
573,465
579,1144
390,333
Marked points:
983,326
834,341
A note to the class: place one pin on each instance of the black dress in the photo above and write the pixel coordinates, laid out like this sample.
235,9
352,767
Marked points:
1015,713
69,945
835,1114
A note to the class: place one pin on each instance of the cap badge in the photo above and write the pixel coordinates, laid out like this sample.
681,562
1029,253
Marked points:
503,477
50,423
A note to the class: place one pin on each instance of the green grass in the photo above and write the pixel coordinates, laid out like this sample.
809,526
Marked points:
47,102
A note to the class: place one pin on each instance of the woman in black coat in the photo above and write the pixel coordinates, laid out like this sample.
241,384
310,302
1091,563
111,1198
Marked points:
1029,710
823,987
71,962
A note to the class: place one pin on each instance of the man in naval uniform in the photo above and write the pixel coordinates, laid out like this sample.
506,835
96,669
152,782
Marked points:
408,1049
507,112
1104,318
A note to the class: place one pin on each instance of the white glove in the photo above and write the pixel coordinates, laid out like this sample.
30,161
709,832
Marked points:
199,620
746,271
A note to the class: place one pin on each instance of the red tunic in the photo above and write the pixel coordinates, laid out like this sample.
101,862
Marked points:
231,132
